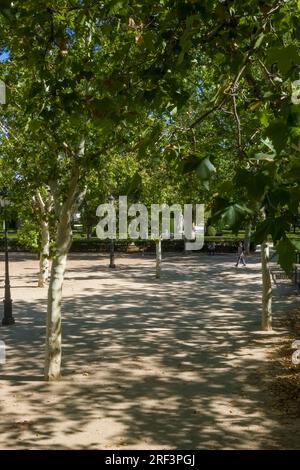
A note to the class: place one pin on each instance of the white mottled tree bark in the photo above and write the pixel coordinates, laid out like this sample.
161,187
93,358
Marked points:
63,242
53,333
45,206
44,254
266,288
158,258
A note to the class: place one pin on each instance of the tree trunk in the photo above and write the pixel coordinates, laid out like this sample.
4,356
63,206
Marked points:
158,258
45,206
44,254
63,242
53,333
266,288
247,238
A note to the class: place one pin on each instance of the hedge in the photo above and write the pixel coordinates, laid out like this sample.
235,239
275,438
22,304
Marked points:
223,245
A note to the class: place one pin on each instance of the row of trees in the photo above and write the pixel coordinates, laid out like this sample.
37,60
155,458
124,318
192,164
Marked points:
186,100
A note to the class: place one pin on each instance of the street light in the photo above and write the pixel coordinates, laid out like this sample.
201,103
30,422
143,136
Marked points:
8,318
111,200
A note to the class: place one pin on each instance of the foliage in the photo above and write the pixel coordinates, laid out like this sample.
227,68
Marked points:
211,231
28,236
199,96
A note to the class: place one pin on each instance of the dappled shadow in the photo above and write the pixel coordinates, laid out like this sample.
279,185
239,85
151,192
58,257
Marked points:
169,363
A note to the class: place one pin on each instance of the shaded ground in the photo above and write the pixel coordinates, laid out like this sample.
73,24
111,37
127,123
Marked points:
171,363
285,383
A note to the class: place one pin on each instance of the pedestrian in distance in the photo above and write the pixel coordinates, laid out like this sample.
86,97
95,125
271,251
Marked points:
240,255
212,248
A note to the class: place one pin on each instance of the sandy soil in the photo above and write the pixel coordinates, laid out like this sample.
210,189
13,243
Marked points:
172,363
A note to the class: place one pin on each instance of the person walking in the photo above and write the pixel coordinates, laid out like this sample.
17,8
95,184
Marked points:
241,255
212,248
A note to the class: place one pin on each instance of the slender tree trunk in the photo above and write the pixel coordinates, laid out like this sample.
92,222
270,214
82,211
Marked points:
158,258
45,205
266,288
53,333
89,232
44,254
53,352
247,238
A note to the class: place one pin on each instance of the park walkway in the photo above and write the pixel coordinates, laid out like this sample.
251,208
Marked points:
171,363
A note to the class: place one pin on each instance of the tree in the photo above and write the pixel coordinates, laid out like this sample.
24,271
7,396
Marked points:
97,71
80,88
19,170
267,288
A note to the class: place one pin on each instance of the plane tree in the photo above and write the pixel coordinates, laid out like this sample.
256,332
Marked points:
82,74
78,89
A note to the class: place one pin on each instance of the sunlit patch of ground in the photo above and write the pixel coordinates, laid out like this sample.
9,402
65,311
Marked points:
172,363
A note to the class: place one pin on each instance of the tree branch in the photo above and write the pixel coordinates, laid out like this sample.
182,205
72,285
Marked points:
238,121
40,200
267,72
207,113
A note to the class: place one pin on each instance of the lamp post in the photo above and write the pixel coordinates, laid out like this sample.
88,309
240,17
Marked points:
111,200
8,318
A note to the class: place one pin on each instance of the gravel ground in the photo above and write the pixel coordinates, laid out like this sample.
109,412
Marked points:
150,364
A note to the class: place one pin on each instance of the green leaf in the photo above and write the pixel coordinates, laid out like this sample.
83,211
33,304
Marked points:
286,250
116,7
278,198
264,119
264,156
262,231
259,40
277,227
232,215
205,169
202,167
278,132
284,57
256,184
255,105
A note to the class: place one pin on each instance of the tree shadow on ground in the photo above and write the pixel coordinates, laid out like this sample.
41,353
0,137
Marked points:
170,363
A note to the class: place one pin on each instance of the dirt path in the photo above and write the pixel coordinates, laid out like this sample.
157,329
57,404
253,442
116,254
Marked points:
174,363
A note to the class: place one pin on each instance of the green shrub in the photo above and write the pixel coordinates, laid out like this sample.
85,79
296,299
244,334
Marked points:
28,236
211,231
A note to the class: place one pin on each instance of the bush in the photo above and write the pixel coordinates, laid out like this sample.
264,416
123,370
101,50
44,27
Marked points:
211,231
27,236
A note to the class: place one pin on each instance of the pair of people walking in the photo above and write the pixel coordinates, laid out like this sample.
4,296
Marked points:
212,248
240,255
